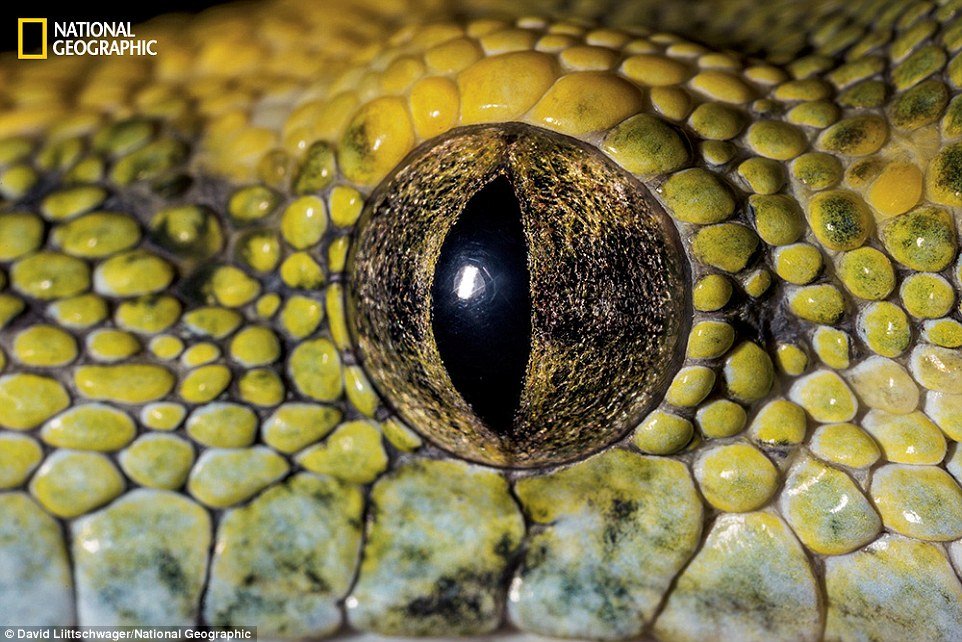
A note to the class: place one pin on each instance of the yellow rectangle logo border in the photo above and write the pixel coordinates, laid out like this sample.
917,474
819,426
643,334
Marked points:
43,52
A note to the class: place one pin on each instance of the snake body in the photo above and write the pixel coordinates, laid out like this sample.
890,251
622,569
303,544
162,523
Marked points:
189,435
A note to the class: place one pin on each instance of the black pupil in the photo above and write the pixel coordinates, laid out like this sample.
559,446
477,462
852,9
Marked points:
481,305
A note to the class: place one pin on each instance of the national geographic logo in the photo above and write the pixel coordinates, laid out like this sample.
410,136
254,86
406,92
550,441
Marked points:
31,35
79,38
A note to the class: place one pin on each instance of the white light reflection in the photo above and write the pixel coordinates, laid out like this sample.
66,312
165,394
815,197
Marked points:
469,282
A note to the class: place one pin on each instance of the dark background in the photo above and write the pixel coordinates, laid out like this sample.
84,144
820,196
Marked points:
89,10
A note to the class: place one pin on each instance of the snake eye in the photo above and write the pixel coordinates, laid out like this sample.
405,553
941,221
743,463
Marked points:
516,297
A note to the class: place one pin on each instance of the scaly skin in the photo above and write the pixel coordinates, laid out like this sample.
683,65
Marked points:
187,435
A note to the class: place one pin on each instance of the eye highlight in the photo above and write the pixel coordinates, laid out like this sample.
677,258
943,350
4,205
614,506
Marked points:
495,281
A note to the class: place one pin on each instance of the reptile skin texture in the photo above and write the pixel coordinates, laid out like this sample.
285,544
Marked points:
228,392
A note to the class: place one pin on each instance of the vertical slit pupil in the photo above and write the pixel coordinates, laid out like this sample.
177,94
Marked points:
481,305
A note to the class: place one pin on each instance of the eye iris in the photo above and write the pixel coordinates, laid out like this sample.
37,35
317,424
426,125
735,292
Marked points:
516,297
481,307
